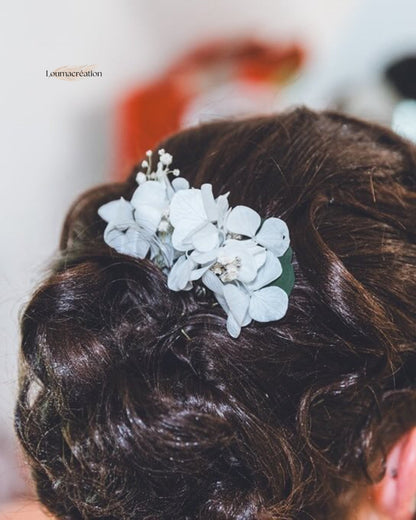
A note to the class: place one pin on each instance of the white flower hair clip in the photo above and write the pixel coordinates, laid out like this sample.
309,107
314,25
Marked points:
195,238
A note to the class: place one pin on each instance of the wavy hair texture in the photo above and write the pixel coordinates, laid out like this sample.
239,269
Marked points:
136,404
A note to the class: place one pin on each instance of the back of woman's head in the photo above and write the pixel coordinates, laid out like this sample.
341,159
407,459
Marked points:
135,403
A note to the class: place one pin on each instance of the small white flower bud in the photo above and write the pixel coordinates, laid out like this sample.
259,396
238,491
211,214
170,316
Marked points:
141,178
166,159
145,164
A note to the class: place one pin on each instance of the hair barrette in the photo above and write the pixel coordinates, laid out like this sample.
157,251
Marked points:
196,238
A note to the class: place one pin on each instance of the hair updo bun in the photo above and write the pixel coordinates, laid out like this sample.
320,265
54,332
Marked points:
134,401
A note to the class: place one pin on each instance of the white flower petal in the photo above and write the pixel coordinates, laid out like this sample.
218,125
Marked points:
162,247
222,208
151,193
247,251
168,186
221,300
204,257
248,269
260,256
237,300
246,320
233,327
209,202
270,271
214,284
268,304
108,211
180,274
149,200
180,183
274,235
198,273
136,244
187,210
130,243
182,239
148,217
243,220
119,212
114,238
206,238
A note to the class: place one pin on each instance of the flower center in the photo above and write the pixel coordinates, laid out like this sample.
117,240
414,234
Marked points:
235,236
227,268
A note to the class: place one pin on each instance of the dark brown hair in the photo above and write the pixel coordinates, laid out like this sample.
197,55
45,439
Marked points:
134,401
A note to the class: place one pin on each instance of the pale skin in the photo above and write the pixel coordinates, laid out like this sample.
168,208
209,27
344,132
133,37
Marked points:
393,498
23,510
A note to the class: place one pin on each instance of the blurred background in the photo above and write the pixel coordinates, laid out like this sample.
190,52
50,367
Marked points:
161,65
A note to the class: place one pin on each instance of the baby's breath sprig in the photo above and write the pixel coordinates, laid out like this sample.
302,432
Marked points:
162,167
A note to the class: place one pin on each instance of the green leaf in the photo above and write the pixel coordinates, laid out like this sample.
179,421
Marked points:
286,280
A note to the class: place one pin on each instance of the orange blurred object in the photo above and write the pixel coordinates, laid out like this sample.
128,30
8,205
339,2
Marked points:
153,111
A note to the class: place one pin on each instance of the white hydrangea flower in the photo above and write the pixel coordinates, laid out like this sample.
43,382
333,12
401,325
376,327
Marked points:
197,219
234,260
123,233
150,202
142,226
273,233
252,301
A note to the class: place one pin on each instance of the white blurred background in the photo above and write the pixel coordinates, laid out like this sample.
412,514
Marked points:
58,136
